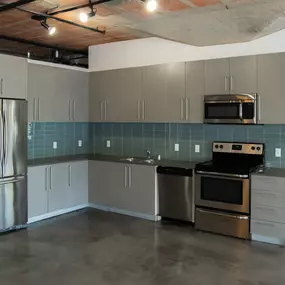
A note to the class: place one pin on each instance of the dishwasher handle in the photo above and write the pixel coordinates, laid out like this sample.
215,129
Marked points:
178,171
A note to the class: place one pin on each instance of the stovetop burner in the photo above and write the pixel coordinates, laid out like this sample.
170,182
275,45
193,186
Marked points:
234,158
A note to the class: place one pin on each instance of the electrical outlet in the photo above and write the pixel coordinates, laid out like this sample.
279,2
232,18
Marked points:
197,148
176,147
108,143
80,143
277,152
54,145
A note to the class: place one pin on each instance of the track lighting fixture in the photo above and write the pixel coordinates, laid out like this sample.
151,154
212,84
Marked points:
51,30
85,16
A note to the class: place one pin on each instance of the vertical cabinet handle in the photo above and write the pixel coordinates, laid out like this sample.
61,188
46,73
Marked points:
231,83
181,109
101,111
46,178
186,109
139,110
69,175
73,113
143,110
50,178
69,110
126,177
106,110
38,109
226,83
1,87
34,109
130,177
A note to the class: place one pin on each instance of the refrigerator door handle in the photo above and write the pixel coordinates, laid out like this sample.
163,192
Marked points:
12,179
4,140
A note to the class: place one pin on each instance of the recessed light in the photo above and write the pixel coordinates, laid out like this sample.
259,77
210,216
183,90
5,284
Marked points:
151,5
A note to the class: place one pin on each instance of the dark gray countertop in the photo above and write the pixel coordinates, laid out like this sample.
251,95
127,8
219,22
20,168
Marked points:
274,172
111,158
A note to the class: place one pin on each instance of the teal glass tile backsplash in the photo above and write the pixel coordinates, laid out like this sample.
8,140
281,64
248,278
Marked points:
132,139
42,135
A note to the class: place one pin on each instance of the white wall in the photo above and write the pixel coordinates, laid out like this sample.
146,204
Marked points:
156,51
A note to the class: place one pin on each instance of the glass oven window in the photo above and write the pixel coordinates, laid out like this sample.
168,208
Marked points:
248,111
222,190
222,110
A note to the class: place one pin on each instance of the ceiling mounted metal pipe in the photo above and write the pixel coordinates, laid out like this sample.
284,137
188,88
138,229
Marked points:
6,7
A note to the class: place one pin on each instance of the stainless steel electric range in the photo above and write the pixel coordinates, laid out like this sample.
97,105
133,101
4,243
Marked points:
222,188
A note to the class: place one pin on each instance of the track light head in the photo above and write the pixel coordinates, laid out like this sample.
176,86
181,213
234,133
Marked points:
85,16
51,30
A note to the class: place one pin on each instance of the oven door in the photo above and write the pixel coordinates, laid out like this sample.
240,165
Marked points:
222,192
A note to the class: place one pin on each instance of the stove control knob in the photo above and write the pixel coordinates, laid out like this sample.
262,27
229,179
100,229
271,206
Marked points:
221,146
216,146
258,148
253,148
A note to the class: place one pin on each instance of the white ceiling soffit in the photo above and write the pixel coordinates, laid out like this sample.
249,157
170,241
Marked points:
231,22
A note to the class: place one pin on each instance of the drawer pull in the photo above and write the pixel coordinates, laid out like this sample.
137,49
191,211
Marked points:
265,209
265,224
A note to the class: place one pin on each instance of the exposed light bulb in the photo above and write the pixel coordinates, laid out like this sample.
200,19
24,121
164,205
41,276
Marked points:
51,31
151,5
83,17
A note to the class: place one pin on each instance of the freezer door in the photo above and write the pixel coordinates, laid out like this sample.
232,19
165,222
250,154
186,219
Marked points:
13,203
14,161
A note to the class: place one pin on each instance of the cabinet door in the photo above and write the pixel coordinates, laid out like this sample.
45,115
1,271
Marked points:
195,90
95,101
271,86
121,91
175,92
243,74
59,195
217,72
106,181
78,183
154,103
79,91
13,76
140,197
37,191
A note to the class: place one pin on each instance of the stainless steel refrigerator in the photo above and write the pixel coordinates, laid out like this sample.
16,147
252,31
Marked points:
13,164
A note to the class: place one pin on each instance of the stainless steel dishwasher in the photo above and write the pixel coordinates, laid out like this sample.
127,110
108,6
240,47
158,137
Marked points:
175,192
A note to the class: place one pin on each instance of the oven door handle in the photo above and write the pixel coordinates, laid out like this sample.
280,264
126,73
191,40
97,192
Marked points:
240,217
223,174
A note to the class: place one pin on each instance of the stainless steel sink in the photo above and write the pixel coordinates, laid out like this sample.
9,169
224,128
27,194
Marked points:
129,159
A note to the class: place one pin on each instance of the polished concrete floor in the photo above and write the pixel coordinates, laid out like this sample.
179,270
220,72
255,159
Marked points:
97,248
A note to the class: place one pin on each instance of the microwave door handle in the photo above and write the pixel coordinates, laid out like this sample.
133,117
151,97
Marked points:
240,111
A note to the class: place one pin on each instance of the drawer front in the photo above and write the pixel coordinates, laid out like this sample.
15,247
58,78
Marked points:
269,229
265,198
266,183
270,214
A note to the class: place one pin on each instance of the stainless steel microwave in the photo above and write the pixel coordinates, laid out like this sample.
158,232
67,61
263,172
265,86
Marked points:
231,109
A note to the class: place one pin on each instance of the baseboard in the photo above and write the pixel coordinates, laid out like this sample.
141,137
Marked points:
125,212
266,239
56,213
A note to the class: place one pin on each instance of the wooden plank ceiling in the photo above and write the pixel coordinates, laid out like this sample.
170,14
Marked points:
116,16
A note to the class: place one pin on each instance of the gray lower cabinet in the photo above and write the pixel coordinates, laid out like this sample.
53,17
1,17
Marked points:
123,186
268,207
57,187
37,191
13,77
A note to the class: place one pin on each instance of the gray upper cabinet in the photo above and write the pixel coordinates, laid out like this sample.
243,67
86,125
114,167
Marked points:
175,92
95,100
13,77
271,86
154,103
217,72
243,74
195,90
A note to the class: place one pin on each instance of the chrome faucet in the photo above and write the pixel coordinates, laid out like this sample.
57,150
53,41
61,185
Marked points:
148,154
